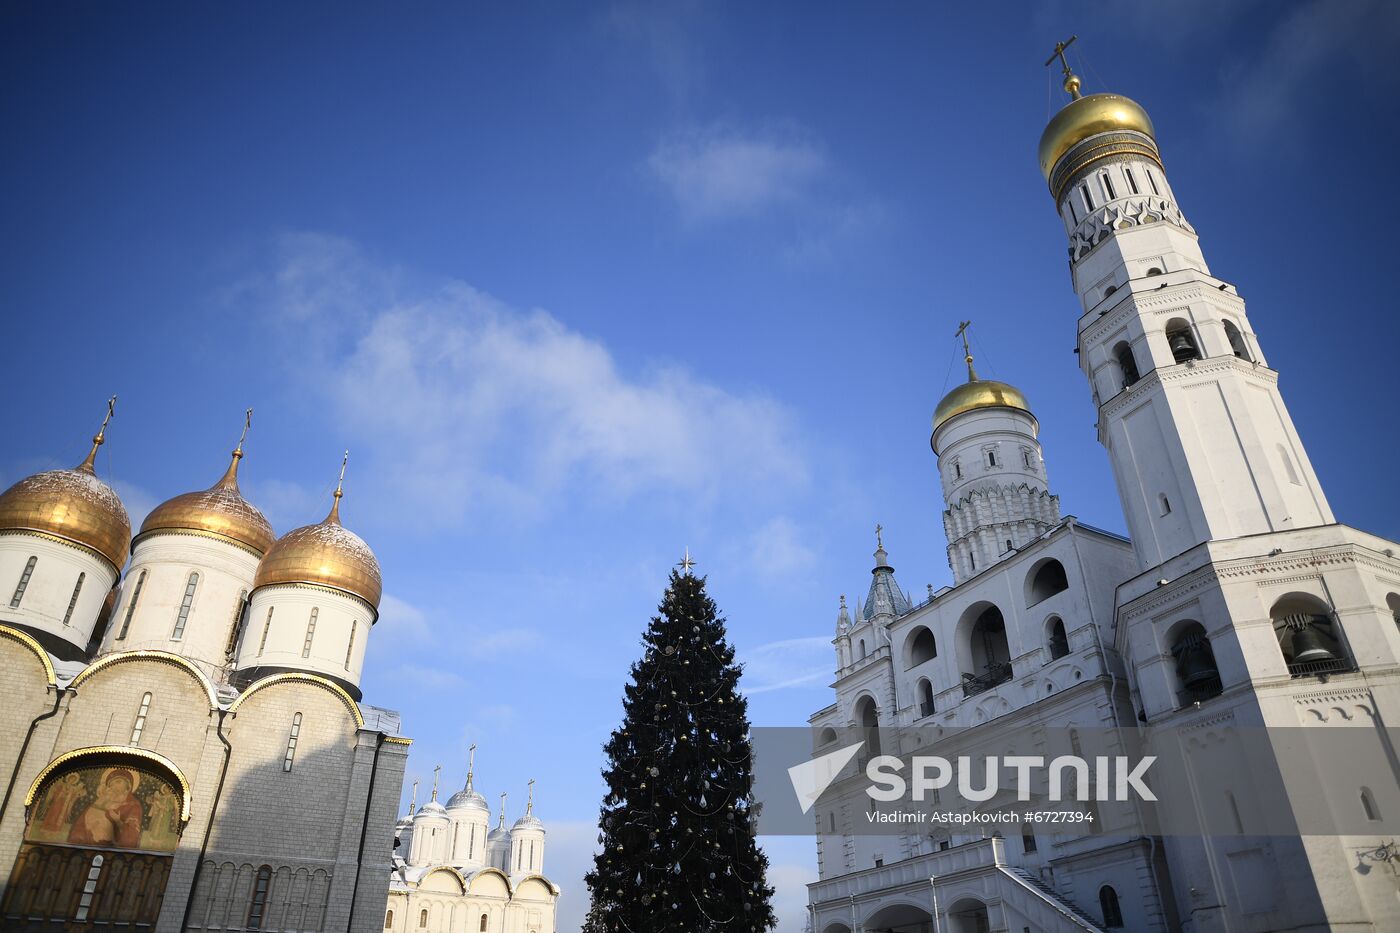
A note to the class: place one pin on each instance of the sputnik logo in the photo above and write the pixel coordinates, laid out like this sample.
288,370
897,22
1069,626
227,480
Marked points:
811,778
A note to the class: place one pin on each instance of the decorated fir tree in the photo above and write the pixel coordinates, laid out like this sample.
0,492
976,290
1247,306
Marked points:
678,850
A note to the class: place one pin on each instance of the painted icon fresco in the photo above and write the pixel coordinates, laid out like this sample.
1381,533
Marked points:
121,807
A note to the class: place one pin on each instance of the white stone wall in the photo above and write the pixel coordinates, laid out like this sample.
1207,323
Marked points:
49,591
342,622
167,559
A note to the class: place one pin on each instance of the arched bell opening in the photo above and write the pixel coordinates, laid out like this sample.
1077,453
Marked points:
925,697
868,719
987,652
1056,639
1127,363
1237,345
1181,341
1308,636
102,826
1198,677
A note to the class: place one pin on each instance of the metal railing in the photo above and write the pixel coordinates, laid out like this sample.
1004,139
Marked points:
998,673
1320,668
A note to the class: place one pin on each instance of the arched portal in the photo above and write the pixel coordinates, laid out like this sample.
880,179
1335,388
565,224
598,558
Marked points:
968,915
983,650
900,918
102,826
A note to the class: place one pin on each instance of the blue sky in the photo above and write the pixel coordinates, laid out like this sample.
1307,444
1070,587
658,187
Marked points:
580,286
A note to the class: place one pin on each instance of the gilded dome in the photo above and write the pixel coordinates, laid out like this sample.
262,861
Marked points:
327,554
73,505
1088,116
219,510
975,394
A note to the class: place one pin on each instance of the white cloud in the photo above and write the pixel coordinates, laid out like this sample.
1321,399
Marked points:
401,619
782,547
138,501
718,172
471,402
422,677
796,662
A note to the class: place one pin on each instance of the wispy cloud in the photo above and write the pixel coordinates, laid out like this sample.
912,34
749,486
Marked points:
719,172
666,34
795,662
480,404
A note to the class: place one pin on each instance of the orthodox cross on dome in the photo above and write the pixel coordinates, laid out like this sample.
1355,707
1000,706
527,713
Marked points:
530,802
1071,79
967,350
101,436
339,483
413,801
247,423
471,763
879,541
436,773
686,563
503,810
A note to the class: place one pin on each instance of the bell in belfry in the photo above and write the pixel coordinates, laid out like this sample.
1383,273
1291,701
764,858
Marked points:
1195,662
1310,644
1182,348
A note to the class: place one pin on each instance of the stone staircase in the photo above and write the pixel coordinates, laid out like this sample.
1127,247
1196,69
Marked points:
1071,917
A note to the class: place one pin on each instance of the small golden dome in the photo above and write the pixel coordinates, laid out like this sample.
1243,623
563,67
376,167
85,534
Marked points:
328,554
219,510
978,393
73,505
1088,116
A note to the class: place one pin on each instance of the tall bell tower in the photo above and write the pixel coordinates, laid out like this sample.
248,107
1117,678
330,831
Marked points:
1254,615
1201,442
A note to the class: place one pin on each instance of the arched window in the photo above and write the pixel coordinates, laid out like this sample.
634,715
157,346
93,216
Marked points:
1108,902
258,907
957,470
422,919
310,633
991,453
131,605
140,725
1127,363
1368,805
89,888
388,920
869,719
925,697
1308,635
1288,465
1181,341
1155,270
1164,504
267,627
862,648
482,925
1234,811
922,647
990,655
826,736
23,582
1132,181
292,743
350,645
1197,674
184,615
236,627
1058,640
73,600
1049,578
1392,601
1237,344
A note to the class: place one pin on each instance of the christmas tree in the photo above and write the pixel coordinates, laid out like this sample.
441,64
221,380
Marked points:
678,850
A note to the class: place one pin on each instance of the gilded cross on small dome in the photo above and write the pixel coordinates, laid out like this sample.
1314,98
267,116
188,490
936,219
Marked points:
686,563
1071,79
91,460
247,423
967,350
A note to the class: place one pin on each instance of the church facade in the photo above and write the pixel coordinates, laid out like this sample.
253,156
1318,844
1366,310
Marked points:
453,872
1238,605
185,746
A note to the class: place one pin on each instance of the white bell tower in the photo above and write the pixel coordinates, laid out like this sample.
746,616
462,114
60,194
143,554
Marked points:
1200,440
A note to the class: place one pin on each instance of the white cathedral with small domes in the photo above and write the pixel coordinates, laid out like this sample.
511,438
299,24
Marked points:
184,746
452,872
1238,607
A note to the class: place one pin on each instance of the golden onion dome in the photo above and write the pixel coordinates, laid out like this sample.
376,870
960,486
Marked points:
1089,116
73,505
327,554
978,393
220,511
